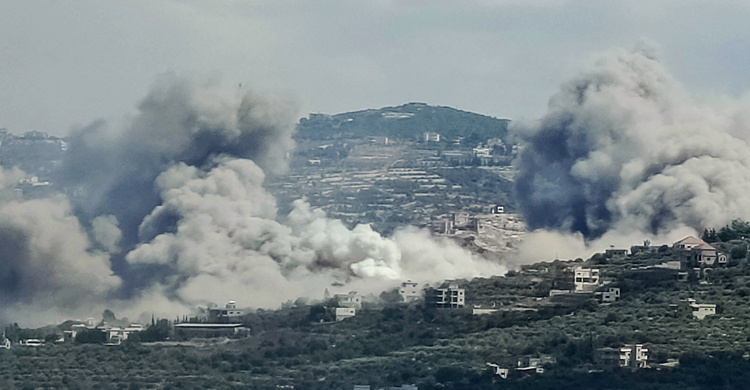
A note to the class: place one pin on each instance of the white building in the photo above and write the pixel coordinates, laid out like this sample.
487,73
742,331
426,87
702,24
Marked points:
451,297
343,313
116,335
5,343
633,355
31,342
700,311
431,137
409,291
587,279
502,372
351,300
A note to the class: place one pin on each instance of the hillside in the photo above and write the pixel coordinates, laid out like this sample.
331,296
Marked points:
389,343
408,122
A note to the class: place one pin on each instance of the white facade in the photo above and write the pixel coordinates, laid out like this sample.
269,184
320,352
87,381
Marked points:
352,300
431,137
32,342
409,291
637,355
722,259
5,343
343,313
451,297
502,372
633,355
700,311
587,279
116,335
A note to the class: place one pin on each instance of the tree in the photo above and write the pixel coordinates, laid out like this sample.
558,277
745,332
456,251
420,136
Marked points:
157,332
738,252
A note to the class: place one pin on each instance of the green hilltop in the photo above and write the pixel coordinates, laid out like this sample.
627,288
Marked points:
409,122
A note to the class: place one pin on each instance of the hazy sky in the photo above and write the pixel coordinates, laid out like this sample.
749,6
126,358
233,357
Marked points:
66,63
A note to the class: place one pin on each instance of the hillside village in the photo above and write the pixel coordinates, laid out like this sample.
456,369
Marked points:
612,311
675,312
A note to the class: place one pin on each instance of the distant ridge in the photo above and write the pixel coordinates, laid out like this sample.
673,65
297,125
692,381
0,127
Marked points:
409,122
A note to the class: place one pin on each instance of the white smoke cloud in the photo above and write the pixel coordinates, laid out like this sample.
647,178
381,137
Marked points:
175,203
49,264
228,244
106,232
625,149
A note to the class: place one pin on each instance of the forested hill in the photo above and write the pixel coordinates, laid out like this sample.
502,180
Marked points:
409,121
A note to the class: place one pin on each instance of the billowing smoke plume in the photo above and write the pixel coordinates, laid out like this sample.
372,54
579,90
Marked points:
177,122
227,243
623,148
171,212
48,262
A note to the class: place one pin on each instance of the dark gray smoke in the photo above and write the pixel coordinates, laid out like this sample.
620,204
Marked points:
171,212
623,147
176,123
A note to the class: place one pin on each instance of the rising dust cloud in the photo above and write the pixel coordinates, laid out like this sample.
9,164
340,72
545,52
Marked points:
170,212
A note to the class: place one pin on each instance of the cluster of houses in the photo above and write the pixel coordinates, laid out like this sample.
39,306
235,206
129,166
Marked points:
448,297
114,334
695,255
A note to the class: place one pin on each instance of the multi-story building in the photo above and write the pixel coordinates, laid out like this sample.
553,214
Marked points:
228,314
409,291
587,279
700,252
451,297
351,300
633,355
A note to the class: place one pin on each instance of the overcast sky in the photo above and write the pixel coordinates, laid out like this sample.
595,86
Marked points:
67,63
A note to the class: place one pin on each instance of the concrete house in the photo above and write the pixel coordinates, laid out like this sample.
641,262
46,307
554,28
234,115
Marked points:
409,291
611,295
116,335
228,314
450,297
343,313
587,279
633,355
700,252
351,300
701,310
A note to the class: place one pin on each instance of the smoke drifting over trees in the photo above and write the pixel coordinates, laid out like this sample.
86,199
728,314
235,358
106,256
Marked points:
624,148
171,212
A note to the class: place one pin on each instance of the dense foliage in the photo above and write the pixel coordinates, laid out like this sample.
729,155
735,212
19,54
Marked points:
416,119
390,343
